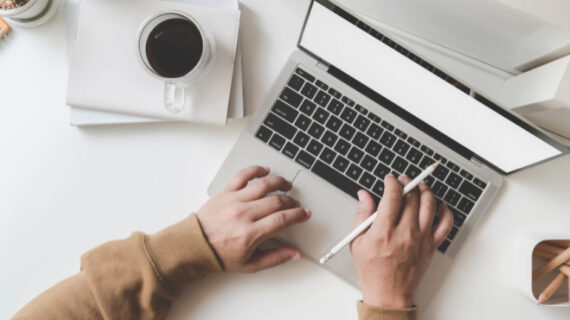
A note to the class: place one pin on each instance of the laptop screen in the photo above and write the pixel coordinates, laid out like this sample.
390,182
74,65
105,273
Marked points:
435,102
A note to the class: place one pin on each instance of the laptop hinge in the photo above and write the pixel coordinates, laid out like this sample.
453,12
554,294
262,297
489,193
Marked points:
477,162
323,65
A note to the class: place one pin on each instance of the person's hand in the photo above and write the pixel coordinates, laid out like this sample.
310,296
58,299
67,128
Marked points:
394,253
241,216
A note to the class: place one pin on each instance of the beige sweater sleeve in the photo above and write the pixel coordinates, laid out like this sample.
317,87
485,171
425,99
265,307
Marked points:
139,277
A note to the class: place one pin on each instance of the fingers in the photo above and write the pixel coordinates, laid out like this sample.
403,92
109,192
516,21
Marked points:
261,187
442,229
260,208
240,179
366,207
272,258
409,216
427,208
389,208
276,222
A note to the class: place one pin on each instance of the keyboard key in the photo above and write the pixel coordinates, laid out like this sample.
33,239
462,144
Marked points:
338,180
466,174
295,82
443,246
479,183
347,132
367,180
388,139
322,98
400,134
347,100
315,147
321,115
414,156
277,142
427,150
322,85
342,146
301,139
316,130
452,197
401,147
291,97
452,233
303,122
426,162
374,117
279,125
414,142
381,171
374,131
354,172
341,164
290,150
387,125
399,164
305,74
470,191
387,156
429,180
361,123
465,206
373,148
335,106
439,189
348,115
305,159
378,188
361,109
328,155
368,163
355,154
263,133
307,107
452,166
458,218
441,172
334,93
309,91
439,157
282,109
329,138
360,140
413,171
453,180
334,123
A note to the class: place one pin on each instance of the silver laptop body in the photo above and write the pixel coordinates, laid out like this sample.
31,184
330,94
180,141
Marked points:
333,208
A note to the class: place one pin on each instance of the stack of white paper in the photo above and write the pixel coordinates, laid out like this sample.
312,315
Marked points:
107,83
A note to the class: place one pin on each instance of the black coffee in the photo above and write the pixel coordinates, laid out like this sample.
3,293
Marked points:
174,47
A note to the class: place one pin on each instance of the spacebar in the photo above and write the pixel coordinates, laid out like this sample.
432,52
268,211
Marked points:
337,179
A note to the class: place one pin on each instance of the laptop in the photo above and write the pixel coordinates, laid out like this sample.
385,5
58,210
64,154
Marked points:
352,105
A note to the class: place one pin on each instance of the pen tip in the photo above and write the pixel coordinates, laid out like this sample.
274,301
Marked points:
436,164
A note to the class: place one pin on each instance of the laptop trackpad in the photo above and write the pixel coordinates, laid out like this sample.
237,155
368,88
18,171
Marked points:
332,219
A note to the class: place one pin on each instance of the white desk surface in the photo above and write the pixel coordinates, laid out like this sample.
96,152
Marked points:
64,190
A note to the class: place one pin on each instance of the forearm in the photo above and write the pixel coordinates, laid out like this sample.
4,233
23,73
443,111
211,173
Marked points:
134,278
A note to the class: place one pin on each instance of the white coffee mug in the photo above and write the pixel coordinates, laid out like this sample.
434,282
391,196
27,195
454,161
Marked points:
168,56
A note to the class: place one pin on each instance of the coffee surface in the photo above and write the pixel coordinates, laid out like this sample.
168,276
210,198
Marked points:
174,47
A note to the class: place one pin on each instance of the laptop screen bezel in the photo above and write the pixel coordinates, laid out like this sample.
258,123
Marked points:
412,119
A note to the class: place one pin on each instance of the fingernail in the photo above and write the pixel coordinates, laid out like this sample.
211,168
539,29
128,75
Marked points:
267,169
389,175
308,212
297,256
358,195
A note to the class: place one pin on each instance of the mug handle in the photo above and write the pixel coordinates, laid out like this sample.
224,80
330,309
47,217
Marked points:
174,96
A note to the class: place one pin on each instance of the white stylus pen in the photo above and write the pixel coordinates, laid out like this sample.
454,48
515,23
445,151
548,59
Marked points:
368,222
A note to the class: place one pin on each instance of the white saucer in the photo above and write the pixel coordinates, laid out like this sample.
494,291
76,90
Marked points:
44,17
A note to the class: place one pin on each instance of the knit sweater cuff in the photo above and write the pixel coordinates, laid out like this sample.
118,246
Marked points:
368,312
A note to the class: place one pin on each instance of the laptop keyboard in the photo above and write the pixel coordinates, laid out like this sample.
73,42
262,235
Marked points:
353,148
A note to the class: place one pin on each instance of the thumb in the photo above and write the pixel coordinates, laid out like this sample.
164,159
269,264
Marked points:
366,207
272,258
